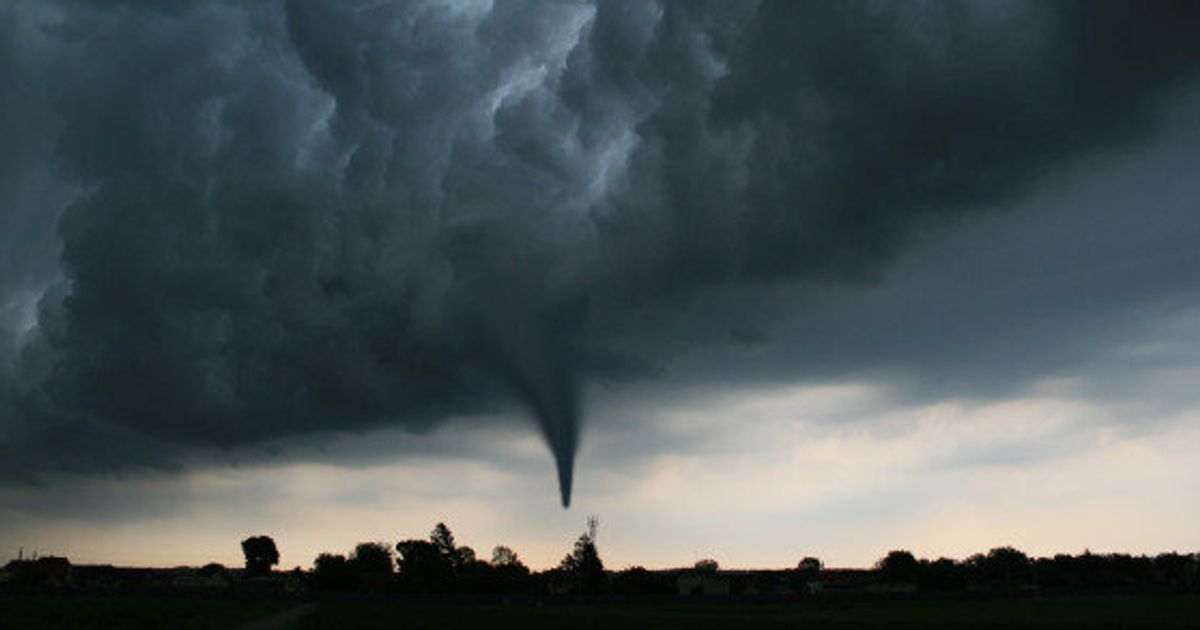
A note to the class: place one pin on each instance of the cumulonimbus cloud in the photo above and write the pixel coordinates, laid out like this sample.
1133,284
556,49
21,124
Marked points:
320,215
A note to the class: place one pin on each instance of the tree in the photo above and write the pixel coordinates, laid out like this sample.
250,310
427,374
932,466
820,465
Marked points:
941,575
806,578
443,539
898,566
584,564
503,556
1177,570
422,565
1002,567
810,566
371,557
332,573
508,572
455,556
260,553
707,565
212,569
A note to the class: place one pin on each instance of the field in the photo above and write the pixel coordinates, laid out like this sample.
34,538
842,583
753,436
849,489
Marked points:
118,612
35,612
1126,612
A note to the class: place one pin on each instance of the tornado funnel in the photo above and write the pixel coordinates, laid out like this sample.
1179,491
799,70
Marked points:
563,441
537,364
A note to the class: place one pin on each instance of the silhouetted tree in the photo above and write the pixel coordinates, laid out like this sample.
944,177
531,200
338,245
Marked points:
422,565
941,575
371,557
333,573
474,576
439,564
211,569
584,564
898,566
707,565
1052,573
508,572
260,553
1002,567
503,556
443,539
807,574
1176,569
810,566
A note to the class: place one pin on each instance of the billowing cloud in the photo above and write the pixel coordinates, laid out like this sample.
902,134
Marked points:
280,219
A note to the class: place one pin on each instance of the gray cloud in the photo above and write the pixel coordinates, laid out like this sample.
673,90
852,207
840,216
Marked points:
304,217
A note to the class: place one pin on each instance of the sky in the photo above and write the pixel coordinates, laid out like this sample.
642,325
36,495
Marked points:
749,281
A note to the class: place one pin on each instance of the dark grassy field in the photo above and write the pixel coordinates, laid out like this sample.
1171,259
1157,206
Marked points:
121,612
1141,612
140,612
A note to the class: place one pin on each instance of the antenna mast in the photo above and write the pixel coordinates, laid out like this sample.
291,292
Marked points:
593,524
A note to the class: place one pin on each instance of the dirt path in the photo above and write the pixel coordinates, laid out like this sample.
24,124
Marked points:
283,619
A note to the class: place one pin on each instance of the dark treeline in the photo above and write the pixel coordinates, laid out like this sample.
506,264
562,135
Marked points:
439,565
1008,569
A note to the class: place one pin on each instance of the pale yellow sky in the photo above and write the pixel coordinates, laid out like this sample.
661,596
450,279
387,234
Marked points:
768,483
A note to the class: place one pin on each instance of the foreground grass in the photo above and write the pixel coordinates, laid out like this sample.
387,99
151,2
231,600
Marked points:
102,612
1125,612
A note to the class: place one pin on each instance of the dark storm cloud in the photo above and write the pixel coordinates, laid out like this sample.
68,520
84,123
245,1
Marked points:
319,216
30,195
1094,277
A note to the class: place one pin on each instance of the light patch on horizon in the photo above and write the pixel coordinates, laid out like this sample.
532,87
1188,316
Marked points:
1044,473
779,486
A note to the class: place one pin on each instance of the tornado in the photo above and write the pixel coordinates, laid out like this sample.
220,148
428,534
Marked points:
564,461
551,394
538,365
561,431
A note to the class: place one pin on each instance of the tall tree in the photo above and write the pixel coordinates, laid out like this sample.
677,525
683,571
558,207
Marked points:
443,539
260,553
584,564
454,556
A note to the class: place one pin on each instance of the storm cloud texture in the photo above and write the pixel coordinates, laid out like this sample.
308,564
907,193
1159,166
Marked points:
229,223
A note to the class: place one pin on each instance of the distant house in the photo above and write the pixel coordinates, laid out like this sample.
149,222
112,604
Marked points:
55,569
45,571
